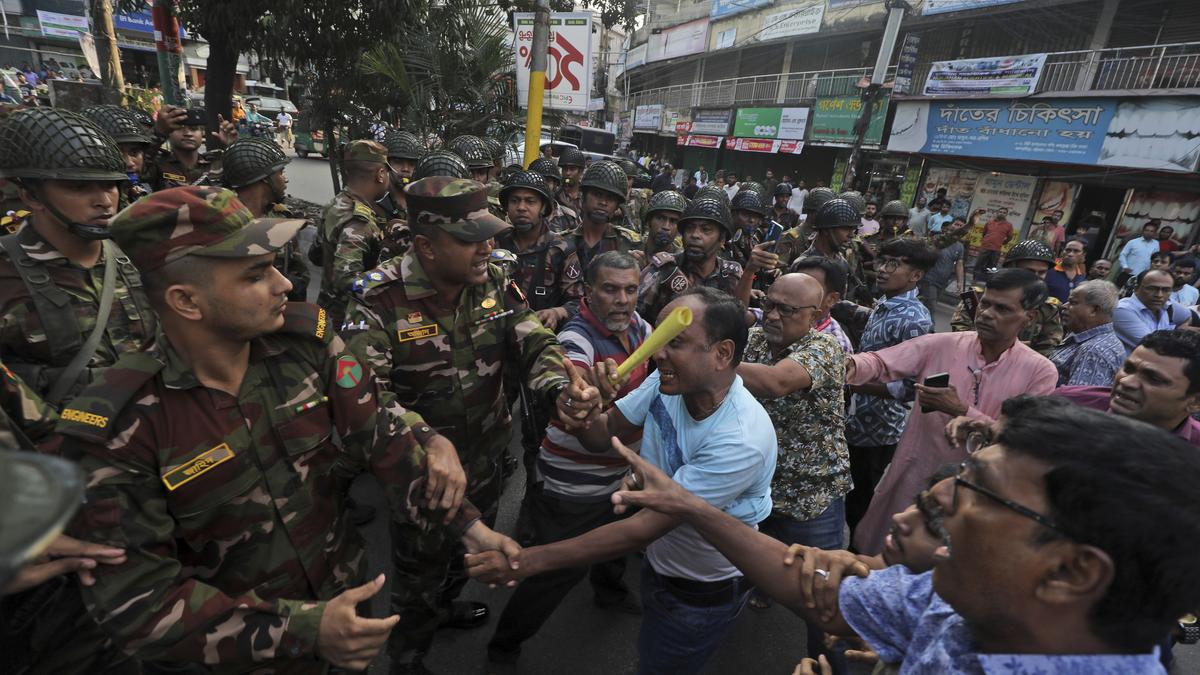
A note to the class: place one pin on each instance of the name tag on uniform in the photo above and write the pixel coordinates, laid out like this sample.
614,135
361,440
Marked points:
418,333
180,475
178,178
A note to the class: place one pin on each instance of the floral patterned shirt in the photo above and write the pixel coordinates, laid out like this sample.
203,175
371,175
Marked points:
813,468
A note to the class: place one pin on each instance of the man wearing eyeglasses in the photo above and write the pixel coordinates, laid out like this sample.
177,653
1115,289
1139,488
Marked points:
1148,309
1061,552
797,374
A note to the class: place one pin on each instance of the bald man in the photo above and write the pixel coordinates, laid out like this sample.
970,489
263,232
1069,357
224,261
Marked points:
797,373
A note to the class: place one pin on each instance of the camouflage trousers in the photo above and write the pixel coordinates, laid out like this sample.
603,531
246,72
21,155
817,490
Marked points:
430,572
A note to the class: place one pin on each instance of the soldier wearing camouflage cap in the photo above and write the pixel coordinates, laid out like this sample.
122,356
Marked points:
603,188
132,140
663,212
563,218
571,162
1046,333
211,457
453,326
254,169
706,226
351,237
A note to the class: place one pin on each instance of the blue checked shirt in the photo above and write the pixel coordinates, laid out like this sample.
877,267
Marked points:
1089,358
876,420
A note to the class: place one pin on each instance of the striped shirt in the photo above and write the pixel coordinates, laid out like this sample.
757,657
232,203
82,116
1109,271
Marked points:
568,470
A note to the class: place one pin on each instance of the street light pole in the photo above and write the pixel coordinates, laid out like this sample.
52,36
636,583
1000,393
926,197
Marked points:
896,10
537,80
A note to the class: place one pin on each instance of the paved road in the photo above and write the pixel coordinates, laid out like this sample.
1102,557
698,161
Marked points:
309,179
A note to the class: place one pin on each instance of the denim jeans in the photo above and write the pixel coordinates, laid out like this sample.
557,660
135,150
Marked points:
826,531
681,630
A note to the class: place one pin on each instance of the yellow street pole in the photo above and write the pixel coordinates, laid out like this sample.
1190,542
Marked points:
537,81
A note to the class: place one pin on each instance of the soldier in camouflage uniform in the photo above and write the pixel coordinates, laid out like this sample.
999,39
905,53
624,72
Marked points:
662,223
132,140
562,218
351,237
1044,335
441,327
211,457
633,210
603,187
474,152
570,195
706,226
796,240
834,224
403,152
750,226
254,168
780,212
182,163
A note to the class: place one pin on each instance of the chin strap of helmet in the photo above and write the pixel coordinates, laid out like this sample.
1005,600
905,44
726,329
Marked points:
81,230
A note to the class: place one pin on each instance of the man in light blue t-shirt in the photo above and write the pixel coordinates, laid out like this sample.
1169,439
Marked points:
702,427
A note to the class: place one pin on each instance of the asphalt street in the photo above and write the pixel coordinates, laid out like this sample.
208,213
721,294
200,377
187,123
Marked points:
579,638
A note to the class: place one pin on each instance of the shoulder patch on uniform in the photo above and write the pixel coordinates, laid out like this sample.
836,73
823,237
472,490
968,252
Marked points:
677,282
662,259
349,372
91,414
383,275
363,211
302,318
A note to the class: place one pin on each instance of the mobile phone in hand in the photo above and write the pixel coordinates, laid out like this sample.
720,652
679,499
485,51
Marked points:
196,117
940,380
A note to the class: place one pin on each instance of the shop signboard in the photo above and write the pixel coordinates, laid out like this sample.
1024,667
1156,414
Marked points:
996,191
139,22
839,170
682,40
723,8
959,184
792,22
669,119
700,141
1178,210
765,145
943,6
711,121
62,25
648,117
907,64
569,66
993,76
781,123
912,181
834,118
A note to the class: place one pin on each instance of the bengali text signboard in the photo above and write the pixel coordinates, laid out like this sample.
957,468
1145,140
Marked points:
834,118
569,64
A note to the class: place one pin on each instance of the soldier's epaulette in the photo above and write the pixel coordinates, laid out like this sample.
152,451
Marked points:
366,283
1052,301
11,222
302,318
629,234
363,211
91,416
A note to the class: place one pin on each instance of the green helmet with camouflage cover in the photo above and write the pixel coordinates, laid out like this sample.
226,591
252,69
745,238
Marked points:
54,144
754,186
1029,249
441,163
816,199
204,221
608,176
836,213
572,157
249,160
629,167
856,200
894,209
454,205
749,200
546,167
118,122
495,149
667,200
711,209
528,180
711,190
473,151
402,145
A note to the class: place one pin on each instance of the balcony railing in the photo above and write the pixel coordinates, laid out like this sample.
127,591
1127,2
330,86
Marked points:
1174,66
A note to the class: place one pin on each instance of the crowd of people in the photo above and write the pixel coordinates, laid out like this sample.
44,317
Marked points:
1015,494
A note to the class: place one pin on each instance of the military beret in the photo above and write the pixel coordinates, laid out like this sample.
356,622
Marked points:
458,206
202,221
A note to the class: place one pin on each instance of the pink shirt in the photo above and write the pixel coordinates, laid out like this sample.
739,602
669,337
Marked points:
923,446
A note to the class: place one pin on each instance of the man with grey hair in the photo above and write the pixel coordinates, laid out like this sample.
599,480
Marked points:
1091,353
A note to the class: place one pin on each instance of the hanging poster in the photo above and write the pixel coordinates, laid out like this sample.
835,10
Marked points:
792,22
996,191
959,184
1057,201
1177,210
993,76
783,123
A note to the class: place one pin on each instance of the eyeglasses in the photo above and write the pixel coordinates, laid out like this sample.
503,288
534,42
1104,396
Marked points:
1038,518
785,311
890,264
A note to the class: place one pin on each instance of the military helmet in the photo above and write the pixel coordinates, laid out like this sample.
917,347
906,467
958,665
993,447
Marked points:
473,151
856,200
249,160
142,117
748,200
709,208
118,122
894,209
495,149
836,213
1029,249
783,190
606,175
54,144
816,198
754,186
667,200
546,167
402,145
629,167
528,180
572,157
441,163
713,191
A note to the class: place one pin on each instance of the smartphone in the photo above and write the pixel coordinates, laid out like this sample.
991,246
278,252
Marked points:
196,117
938,380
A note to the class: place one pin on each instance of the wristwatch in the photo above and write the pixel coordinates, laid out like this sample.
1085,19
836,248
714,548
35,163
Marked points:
1190,627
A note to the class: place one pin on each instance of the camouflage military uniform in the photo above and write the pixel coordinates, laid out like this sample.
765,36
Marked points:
634,207
667,276
165,171
290,261
562,219
540,272
351,241
574,203
396,236
855,286
26,414
793,243
1044,335
787,219
615,238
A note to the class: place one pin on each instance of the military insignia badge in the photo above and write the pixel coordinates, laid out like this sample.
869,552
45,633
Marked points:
414,317
349,372
488,303
678,282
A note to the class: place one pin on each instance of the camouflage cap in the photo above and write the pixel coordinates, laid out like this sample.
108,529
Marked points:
365,151
201,221
455,205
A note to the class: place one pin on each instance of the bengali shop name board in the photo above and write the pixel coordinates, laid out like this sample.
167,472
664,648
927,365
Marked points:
771,123
834,118
713,122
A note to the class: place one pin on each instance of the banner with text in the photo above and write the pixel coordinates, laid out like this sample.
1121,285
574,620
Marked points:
712,122
700,141
958,183
682,40
723,8
648,117
62,25
943,6
792,22
993,76
781,123
764,145
569,64
997,191
834,118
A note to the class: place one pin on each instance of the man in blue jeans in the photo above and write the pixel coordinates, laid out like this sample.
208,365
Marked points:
798,374
701,426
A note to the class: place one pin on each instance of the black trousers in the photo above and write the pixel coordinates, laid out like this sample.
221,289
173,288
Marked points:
552,519
867,464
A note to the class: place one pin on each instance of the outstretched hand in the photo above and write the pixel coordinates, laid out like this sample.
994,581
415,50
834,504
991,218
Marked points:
579,402
648,487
